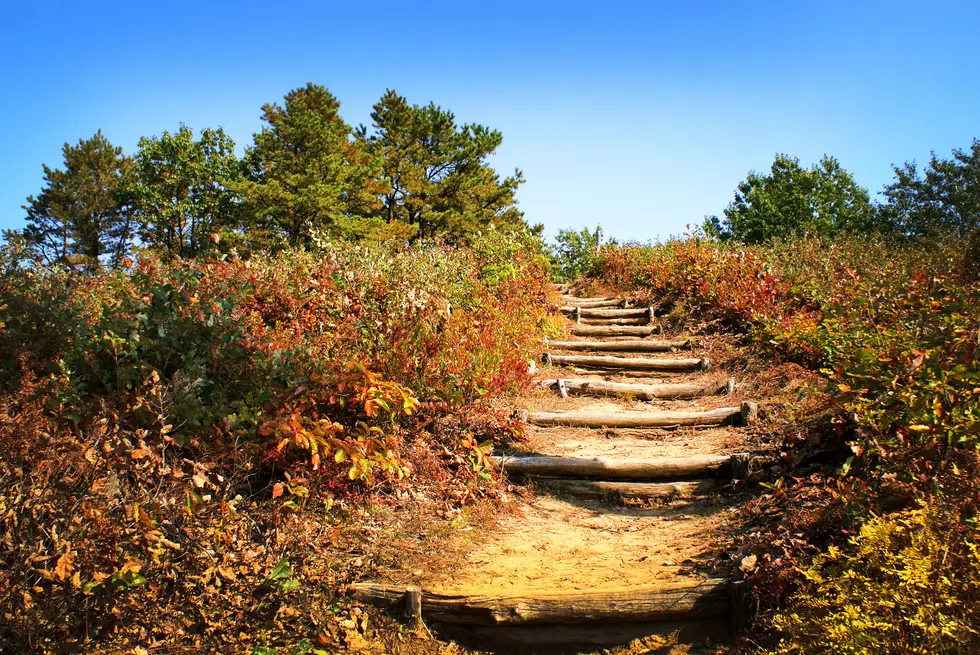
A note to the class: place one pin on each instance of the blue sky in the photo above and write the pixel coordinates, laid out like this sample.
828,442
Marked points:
640,116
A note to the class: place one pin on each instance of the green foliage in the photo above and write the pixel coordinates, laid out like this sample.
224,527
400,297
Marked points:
574,253
944,200
184,190
82,216
307,173
901,587
821,201
438,179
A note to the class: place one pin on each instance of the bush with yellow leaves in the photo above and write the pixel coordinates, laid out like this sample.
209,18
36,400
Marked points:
908,583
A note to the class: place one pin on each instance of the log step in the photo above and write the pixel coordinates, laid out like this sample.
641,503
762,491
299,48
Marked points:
584,387
629,363
694,599
605,468
744,415
632,345
642,312
620,491
594,303
614,330
614,321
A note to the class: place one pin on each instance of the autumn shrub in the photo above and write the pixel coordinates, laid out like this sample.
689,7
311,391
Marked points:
896,588
894,330
159,426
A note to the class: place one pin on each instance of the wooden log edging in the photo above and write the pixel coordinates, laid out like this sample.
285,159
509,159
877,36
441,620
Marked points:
711,417
584,387
628,363
586,312
634,345
603,489
614,321
594,303
604,468
614,330
695,599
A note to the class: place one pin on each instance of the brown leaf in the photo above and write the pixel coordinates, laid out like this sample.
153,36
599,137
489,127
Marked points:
64,567
277,489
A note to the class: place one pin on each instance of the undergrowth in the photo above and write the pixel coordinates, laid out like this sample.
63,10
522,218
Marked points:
883,557
192,450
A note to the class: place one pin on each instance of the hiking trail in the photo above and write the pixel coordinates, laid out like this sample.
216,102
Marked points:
633,438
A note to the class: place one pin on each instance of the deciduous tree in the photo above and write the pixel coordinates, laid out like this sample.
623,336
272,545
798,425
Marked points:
943,200
823,200
184,190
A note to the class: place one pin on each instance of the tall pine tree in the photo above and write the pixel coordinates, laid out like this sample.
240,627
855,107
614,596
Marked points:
438,178
308,174
82,215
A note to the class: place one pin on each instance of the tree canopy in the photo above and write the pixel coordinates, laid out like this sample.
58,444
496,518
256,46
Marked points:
184,190
437,176
82,214
823,200
943,200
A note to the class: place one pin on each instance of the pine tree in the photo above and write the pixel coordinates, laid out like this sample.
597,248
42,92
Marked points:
308,174
82,215
438,179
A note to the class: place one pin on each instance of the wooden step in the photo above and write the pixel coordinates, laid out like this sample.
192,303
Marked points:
585,387
642,312
744,415
614,330
632,345
606,490
608,362
614,321
689,599
594,303
606,468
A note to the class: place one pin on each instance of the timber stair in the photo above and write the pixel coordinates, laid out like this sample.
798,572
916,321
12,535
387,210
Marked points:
609,339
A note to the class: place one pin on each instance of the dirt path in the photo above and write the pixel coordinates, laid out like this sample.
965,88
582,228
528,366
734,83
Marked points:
583,539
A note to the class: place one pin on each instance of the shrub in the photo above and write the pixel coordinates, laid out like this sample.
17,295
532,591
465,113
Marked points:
902,587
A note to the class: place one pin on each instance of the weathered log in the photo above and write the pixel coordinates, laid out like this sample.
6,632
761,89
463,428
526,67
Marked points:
600,489
721,416
750,413
613,321
583,387
585,312
629,363
594,303
604,468
614,330
633,345
680,601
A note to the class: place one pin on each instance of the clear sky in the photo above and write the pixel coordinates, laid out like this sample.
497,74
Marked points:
641,116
